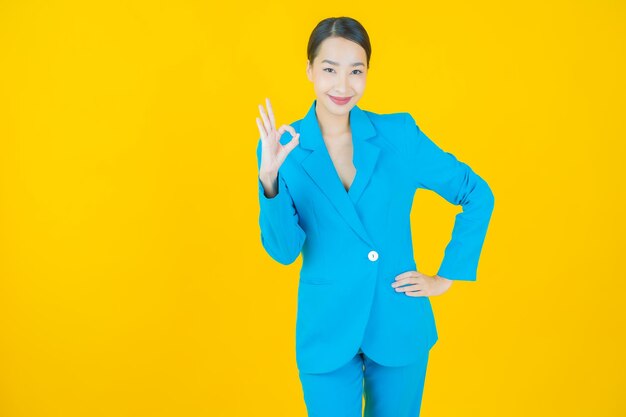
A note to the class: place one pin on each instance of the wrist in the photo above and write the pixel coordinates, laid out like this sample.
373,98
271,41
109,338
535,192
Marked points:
443,279
268,175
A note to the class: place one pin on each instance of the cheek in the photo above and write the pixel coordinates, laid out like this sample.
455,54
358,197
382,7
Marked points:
323,83
359,84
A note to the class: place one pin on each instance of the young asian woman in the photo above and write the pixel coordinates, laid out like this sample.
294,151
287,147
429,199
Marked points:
337,186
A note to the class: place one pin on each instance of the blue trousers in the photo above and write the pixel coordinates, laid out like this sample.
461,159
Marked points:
387,391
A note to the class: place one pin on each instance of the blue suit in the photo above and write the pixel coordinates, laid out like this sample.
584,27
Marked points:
354,243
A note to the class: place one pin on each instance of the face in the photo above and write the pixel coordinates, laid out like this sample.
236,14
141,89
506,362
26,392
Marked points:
339,70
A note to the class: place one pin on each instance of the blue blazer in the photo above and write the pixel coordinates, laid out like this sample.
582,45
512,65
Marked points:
354,243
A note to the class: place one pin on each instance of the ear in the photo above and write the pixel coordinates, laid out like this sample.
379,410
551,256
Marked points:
309,70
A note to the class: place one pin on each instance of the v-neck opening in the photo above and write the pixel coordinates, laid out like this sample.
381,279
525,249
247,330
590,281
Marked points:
354,164
351,187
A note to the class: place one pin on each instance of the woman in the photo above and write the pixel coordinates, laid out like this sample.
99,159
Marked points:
339,190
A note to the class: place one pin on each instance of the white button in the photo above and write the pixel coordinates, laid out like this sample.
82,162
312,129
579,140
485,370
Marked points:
373,255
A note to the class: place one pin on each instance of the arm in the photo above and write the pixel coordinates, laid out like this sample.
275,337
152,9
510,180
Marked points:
281,235
439,171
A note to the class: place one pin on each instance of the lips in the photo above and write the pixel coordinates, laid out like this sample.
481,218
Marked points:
339,100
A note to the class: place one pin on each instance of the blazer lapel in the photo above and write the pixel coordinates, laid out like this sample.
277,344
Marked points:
319,166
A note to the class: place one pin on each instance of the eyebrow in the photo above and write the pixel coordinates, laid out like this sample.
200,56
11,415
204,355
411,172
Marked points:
356,64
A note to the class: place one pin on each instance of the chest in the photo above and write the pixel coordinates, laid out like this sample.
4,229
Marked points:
341,152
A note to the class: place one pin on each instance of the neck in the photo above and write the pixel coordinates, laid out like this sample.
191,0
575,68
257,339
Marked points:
332,125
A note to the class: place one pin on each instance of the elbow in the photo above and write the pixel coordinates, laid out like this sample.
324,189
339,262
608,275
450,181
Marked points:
285,258
283,254
473,191
489,196
481,195
288,260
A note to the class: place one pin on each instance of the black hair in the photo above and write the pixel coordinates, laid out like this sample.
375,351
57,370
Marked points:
338,27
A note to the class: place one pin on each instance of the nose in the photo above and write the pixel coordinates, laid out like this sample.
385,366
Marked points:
340,87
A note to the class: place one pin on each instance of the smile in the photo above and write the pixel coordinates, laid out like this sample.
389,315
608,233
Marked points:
340,100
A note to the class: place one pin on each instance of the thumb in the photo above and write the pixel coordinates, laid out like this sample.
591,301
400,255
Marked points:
293,143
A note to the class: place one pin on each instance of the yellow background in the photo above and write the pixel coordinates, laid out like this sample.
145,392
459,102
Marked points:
132,278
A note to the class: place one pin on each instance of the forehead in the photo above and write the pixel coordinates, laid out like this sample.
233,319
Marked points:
341,50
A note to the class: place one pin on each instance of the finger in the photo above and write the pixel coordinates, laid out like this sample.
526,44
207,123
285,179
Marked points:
416,294
405,275
290,129
261,128
270,112
412,287
404,286
403,281
292,143
289,146
266,122
409,288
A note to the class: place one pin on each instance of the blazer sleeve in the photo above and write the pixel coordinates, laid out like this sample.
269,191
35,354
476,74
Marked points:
281,234
437,170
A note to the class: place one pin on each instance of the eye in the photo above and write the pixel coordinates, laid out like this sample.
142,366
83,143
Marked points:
331,69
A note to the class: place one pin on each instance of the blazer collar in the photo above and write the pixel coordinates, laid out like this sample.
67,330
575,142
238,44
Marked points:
319,166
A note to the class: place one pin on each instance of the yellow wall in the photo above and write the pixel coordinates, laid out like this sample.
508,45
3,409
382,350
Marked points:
132,278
